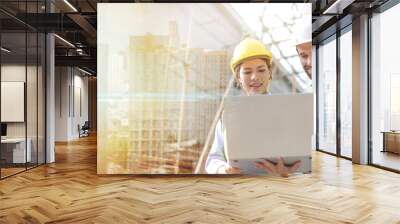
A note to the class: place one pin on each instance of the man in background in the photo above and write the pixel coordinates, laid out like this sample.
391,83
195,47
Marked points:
304,46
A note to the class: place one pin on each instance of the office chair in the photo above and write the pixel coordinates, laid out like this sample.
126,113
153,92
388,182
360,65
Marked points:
84,130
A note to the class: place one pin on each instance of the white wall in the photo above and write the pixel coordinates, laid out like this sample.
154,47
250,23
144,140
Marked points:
12,73
33,126
80,84
62,81
70,83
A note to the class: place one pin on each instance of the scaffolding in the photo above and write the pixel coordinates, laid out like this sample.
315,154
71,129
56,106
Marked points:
174,94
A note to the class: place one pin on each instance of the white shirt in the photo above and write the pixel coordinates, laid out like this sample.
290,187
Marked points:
216,158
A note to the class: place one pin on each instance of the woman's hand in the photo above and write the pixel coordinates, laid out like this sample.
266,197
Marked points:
227,169
279,168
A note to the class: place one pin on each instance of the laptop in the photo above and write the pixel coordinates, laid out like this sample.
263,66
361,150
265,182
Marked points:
268,127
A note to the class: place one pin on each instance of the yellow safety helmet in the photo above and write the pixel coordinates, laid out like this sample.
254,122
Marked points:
249,48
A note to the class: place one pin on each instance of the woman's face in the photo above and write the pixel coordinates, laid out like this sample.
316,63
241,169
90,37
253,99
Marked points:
254,76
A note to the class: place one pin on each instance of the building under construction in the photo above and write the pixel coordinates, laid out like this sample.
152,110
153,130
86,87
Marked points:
174,94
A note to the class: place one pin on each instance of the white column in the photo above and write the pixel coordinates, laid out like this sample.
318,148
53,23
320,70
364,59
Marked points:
50,99
360,90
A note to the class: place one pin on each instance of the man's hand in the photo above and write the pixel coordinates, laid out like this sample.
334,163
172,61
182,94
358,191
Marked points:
279,168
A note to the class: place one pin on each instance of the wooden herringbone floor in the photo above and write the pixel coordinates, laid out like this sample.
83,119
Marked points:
69,191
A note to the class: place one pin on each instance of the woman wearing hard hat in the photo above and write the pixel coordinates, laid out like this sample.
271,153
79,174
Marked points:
251,65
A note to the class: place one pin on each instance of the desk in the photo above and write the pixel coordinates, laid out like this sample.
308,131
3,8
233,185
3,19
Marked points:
391,141
16,147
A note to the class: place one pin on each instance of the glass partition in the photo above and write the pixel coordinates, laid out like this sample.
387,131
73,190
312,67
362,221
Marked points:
22,91
327,96
13,108
31,99
346,93
385,90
